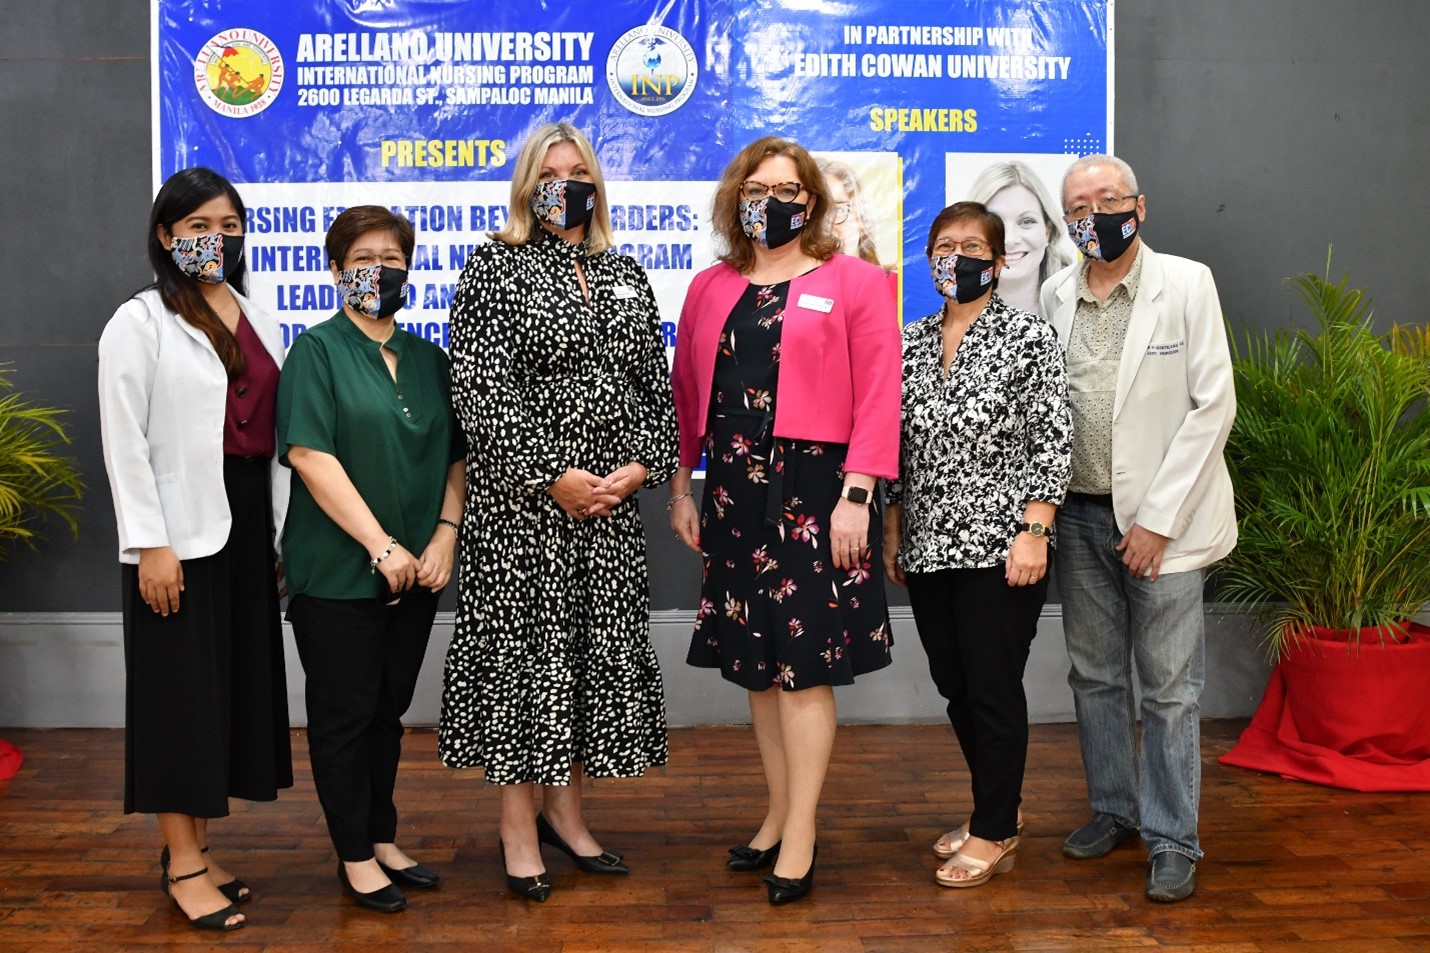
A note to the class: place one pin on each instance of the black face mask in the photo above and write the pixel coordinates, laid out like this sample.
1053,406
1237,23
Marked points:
374,291
208,258
564,203
773,223
1105,235
961,278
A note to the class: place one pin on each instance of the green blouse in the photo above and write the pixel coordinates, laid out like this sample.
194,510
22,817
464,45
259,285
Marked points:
396,441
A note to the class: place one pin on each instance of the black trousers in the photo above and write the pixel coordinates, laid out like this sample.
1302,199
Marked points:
361,659
977,631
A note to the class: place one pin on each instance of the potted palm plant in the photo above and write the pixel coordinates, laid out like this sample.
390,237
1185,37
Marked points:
35,478
35,481
1330,458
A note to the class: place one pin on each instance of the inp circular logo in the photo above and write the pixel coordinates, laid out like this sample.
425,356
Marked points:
652,70
238,73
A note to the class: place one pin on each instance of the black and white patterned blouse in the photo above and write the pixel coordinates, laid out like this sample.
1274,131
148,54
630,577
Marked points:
978,444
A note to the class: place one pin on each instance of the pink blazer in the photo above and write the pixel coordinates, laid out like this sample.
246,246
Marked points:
840,368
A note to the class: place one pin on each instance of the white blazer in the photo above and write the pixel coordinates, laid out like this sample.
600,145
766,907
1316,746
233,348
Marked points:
163,394
1175,403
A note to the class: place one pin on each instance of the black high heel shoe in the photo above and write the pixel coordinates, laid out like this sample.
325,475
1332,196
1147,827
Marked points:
536,888
603,863
218,920
389,899
788,889
745,857
235,890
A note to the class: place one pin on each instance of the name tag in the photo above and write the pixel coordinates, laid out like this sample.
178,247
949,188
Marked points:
815,303
623,291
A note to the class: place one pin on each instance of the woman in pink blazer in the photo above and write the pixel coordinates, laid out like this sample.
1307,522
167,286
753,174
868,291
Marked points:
787,375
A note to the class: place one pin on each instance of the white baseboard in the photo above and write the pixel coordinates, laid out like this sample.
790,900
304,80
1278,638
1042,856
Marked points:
66,670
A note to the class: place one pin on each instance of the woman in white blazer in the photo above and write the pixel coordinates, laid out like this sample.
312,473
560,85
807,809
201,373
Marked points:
188,381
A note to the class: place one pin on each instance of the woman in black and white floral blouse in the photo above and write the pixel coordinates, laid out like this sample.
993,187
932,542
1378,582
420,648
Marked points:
984,459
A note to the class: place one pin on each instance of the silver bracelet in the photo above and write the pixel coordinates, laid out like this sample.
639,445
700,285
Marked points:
372,563
670,504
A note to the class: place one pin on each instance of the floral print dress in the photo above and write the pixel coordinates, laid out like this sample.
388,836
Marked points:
774,610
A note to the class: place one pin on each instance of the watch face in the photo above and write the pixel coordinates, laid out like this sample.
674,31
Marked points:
856,494
1037,529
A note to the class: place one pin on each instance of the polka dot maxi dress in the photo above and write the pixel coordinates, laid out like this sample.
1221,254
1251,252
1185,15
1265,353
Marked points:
551,662
774,610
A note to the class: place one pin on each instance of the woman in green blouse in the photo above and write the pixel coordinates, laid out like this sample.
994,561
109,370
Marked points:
365,418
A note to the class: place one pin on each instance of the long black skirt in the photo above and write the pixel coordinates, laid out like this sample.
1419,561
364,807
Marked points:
206,706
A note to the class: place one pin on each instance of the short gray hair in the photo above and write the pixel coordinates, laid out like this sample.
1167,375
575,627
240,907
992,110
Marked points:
1088,162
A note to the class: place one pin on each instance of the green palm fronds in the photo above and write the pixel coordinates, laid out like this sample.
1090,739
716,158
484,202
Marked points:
35,479
1330,458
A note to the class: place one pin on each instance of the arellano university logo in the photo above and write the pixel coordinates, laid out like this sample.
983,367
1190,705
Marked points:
652,70
238,73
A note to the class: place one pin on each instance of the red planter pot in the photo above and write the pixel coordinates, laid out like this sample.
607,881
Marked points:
10,760
1346,715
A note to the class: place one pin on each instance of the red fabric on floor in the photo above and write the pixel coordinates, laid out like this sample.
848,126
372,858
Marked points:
1355,718
10,760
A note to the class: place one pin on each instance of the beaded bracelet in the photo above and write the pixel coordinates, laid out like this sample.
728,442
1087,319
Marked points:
442,520
670,504
372,563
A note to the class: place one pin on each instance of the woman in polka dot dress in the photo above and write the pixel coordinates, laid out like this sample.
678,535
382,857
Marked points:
560,380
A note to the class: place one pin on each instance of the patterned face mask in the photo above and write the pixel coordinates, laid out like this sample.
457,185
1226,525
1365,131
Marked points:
209,258
564,203
772,223
961,278
1105,235
374,291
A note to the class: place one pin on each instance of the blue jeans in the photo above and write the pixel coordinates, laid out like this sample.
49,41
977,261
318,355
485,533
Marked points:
1111,619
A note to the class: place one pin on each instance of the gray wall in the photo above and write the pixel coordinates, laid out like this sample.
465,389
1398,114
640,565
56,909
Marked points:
75,163
1261,132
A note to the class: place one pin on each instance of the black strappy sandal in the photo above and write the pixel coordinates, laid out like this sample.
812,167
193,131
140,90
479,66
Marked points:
235,890
218,920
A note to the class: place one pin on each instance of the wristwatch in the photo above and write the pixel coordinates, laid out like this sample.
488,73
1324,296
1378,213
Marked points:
856,494
1035,528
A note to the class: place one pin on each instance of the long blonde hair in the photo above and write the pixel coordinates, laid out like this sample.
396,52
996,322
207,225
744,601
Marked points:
521,222
867,248
997,177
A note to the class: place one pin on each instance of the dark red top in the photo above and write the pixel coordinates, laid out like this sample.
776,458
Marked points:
249,422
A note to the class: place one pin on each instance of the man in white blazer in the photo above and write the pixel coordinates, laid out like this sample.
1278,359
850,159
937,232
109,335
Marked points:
1149,509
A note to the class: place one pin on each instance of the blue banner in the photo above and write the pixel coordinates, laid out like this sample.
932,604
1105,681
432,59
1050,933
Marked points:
314,105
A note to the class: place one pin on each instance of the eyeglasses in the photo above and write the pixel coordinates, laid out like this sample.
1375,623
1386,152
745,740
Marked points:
841,212
971,247
753,191
1108,203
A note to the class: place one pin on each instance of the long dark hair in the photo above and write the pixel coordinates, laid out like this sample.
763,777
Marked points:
185,191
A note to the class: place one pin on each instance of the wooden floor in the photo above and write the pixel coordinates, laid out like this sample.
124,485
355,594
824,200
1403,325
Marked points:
1289,865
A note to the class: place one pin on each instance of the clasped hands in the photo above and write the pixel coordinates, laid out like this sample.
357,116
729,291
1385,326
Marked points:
583,494
431,570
